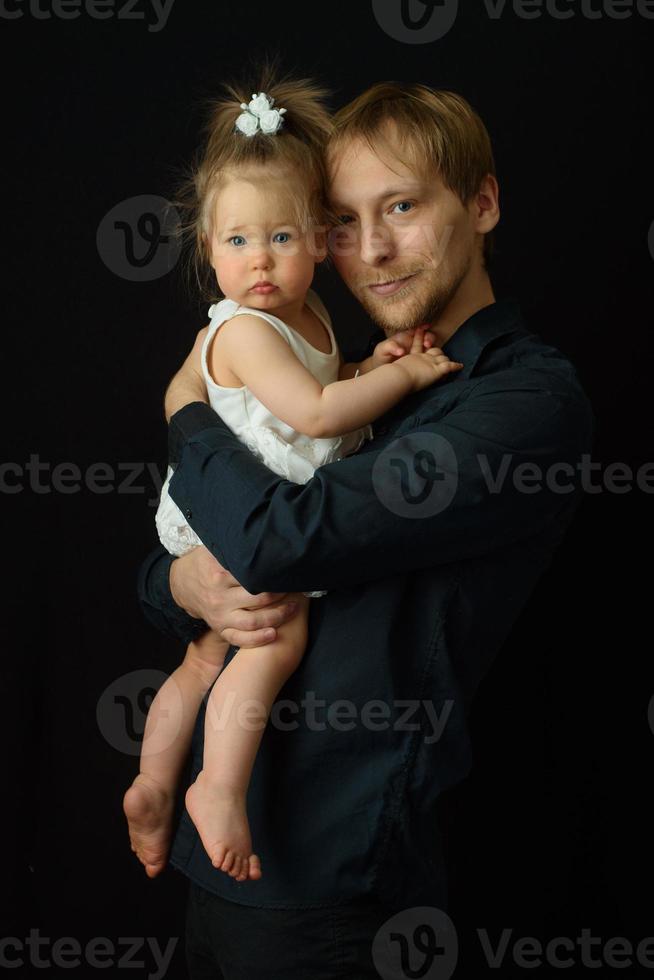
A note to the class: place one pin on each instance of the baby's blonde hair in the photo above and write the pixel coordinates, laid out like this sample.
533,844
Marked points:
293,160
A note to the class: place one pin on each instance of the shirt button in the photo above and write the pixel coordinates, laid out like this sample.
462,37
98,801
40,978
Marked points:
189,514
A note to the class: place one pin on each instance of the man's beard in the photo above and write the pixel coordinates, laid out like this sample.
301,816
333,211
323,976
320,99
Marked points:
414,304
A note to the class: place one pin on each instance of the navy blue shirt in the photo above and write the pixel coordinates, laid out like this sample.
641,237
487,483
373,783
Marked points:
429,541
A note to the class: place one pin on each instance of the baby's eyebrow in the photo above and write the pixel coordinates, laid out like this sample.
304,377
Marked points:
239,227
230,229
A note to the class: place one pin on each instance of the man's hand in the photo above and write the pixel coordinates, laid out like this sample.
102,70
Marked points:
188,384
401,343
200,585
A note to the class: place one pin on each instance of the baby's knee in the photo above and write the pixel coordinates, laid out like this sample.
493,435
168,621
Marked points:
290,644
285,653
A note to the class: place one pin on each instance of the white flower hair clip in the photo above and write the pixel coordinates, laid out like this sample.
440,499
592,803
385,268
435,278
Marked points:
259,116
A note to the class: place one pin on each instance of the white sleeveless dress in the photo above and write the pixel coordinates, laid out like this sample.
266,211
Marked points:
288,453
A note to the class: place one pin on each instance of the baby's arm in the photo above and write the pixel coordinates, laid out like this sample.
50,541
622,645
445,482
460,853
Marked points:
254,352
386,351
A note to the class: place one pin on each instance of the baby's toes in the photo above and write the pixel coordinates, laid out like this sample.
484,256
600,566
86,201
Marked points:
236,867
218,856
254,867
228,862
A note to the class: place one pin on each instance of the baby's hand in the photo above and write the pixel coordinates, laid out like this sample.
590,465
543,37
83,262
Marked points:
426,368
400,344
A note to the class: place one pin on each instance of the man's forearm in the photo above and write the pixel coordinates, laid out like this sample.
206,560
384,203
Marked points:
338,529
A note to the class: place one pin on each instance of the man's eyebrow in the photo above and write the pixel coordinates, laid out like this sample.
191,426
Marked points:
408,189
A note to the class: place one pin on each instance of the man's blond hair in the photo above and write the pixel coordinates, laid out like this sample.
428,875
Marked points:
430,131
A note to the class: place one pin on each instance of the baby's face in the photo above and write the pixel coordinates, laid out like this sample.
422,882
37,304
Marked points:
255,239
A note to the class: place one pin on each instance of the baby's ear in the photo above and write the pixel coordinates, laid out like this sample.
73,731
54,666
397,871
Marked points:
207,252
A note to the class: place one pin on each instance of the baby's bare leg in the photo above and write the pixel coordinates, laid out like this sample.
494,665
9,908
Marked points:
148,803
237,712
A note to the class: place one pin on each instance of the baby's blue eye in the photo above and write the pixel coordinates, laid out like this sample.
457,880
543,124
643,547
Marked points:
400,203
285,235
237,243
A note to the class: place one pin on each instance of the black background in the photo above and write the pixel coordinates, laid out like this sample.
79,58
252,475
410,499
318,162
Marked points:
552,831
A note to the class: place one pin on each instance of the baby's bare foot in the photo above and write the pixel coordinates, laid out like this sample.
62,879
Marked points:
220,817
149,812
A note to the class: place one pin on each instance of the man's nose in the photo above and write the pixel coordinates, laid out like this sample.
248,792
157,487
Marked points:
376,244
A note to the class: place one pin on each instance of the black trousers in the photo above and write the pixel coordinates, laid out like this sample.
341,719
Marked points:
227,941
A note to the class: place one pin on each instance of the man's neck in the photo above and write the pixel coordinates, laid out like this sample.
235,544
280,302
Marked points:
474,293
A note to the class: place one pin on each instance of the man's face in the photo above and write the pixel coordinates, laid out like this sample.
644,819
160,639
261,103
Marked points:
405,245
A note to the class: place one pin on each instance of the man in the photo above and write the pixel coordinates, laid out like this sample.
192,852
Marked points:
429,541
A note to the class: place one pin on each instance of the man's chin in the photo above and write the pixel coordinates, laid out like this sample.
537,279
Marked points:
394,313
404,309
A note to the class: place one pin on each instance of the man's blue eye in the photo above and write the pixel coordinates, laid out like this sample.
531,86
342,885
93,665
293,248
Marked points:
234,237
283,234
400,203
345,219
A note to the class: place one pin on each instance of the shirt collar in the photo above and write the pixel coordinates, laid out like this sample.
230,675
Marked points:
468,342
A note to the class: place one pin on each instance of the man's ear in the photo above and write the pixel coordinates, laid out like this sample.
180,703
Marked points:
486,206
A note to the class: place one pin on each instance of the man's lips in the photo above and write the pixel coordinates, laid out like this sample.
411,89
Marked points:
388,288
